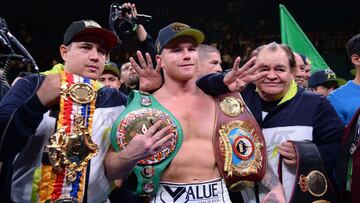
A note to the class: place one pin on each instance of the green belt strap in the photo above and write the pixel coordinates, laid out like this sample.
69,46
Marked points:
143,109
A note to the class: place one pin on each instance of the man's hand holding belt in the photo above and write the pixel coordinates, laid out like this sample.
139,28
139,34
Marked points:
150,143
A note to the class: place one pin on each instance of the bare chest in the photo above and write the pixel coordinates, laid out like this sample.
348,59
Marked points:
196,116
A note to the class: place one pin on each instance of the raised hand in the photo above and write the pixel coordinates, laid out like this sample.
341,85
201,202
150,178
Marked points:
150,78
238,78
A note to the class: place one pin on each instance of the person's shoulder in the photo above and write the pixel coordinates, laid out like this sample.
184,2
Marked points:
110,97
32,79
343,91
312,98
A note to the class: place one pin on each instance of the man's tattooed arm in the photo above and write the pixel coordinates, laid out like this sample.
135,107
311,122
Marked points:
270,180
272,183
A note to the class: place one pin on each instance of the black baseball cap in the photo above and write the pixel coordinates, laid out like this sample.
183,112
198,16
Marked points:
82,27
175,30
322,77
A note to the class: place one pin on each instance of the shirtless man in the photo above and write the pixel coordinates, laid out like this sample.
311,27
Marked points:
193,174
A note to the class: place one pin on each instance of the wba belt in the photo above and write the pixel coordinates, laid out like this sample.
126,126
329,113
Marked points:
311,183
142,111
71,146
239,144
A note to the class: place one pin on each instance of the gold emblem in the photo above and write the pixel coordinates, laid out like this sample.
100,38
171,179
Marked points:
177,27
231,106
246,147
80,93
72,151
315,183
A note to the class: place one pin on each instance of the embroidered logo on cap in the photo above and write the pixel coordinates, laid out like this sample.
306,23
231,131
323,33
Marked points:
330,74
177,27
91,23
158,46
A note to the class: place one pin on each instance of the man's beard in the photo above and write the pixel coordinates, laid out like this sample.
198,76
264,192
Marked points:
133,79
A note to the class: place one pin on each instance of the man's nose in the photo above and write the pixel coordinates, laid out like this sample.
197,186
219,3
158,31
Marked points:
271,75
218,68
186,54
94,54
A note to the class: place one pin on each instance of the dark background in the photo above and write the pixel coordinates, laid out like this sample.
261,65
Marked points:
236,26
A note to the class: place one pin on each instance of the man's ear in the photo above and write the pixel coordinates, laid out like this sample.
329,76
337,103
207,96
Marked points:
158,59
64,52
355,59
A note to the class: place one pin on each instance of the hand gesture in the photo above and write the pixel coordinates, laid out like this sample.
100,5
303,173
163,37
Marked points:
238,78
150,78
287,150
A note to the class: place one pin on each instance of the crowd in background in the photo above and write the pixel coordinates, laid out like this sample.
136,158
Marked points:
239,37
235,27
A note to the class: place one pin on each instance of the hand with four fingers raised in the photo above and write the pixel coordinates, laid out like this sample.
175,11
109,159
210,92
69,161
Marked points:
237,79
150,78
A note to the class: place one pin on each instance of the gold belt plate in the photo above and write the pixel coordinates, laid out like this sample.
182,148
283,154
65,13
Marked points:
81,93
315,183
71,151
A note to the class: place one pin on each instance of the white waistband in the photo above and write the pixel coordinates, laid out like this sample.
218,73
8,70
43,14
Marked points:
208,191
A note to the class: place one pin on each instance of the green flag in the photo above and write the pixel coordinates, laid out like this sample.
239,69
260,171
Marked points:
295,38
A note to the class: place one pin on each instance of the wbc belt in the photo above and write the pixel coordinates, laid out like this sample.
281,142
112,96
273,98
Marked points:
141,112
312,183
239,144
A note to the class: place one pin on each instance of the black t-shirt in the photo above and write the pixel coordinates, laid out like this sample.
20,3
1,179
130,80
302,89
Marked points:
269,106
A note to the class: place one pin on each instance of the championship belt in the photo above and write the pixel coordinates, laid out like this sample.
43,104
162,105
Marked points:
71,147
143,111
239,144
311,183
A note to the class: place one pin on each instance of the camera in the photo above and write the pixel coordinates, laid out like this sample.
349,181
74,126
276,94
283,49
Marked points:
121,24
125,10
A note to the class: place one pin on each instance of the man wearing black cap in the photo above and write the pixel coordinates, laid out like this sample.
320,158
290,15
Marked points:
323,82
192,174
56,124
